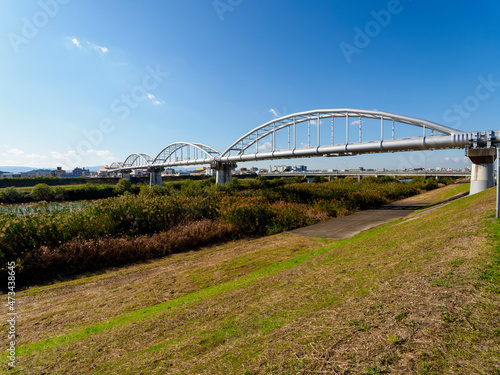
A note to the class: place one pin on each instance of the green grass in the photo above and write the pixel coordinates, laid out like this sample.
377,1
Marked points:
369,304
457,189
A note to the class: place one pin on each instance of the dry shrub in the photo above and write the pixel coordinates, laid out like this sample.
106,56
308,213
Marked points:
247,215
80,255
289,216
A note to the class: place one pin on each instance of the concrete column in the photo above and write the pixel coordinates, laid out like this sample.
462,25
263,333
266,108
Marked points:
126,174
482,176
223,172
155,176
310,179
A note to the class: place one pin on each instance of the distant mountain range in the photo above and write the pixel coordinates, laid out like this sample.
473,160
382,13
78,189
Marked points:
11,169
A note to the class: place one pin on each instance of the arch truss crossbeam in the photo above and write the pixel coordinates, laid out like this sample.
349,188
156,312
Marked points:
185,153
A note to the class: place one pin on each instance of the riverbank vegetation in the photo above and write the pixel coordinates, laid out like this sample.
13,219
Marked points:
419,295
145,223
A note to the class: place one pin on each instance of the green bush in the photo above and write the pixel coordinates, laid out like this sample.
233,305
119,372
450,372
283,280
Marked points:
122,186
42,192
319,179
11,195
249,216
431,184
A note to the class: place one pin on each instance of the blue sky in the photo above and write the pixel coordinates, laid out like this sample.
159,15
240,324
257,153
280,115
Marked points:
85,83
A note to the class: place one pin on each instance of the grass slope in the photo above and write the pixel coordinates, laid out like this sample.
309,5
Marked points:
418,295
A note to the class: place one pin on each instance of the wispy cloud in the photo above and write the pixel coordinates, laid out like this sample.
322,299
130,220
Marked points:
354,123
16,156
58,156
76,42
15,151
105,154
274,112
97,47
89,45
266,146
154,99
36,156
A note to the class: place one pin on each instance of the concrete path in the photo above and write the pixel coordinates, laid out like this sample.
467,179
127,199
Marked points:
348,226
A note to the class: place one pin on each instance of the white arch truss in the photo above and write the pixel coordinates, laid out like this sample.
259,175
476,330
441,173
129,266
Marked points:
291,122
323,132
185,152
137,161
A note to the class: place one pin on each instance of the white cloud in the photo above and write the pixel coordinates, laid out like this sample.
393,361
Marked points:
105,154
354,123
153,98
266,146
68,160
90,45
15,151
36,156
58,156
274,112
97,47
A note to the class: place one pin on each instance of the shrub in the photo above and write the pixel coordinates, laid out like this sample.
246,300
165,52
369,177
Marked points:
122,186
42,192
319,179
11,195
431,184
248,216
78,255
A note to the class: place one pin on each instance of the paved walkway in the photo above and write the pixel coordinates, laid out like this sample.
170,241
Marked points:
348,226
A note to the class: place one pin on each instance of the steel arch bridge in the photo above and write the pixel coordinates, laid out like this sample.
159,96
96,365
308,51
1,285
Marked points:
324,132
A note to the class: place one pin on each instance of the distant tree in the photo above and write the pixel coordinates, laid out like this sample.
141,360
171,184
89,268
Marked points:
42,192
11,195
122,186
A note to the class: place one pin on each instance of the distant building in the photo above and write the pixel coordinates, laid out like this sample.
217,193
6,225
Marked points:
10,175
300,168
199,172
58,172
140,173
36,173
280,168
80,172
103,172
168,172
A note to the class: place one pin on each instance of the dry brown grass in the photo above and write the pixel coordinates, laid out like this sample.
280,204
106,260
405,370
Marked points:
59,308
405,298
79,255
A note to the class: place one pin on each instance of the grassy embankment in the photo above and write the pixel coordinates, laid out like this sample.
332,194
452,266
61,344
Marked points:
47,240
419,295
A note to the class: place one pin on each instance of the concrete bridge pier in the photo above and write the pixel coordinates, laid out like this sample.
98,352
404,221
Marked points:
223,173
482,173
126,174
155,176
